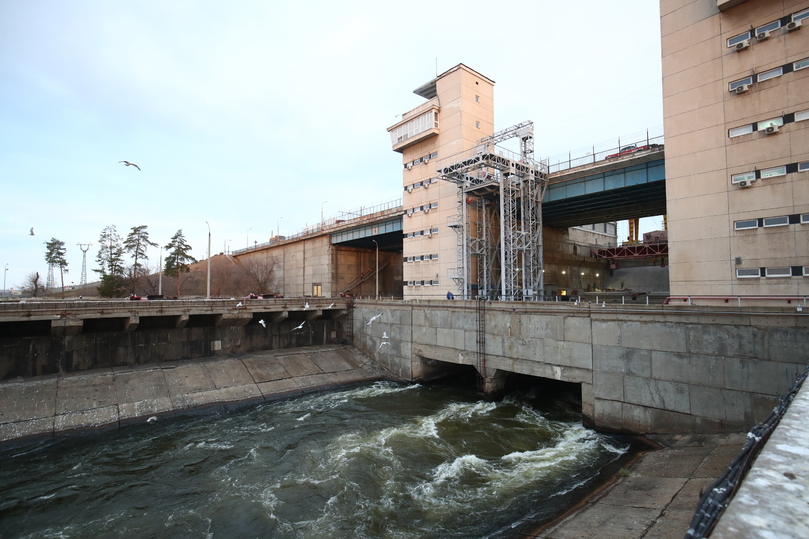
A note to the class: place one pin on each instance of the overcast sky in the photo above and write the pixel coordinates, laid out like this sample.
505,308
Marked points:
247,112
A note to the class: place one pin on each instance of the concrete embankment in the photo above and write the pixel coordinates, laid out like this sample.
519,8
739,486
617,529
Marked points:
45,406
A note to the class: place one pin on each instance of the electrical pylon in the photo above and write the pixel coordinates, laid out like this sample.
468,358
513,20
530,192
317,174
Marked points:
84,248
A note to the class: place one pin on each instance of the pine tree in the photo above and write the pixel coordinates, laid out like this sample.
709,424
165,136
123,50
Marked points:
178,258
136,243
111,253
55,255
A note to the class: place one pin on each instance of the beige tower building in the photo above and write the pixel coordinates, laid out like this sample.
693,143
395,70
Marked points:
736,107
459,110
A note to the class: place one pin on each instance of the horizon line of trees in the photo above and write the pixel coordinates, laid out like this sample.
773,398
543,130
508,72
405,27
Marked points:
119,277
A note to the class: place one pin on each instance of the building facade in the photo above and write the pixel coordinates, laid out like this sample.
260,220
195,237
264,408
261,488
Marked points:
736,111
459,110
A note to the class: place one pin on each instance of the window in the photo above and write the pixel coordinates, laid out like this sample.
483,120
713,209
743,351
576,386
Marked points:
744,225
773,172
433,155
776,221
477,124
434,205
748,273
419,124
737,83
742,130
806,271
477,99
802,115
800,64
773,121
779,272
742,177
803,167
317,290
800,15
774,25
435,256
738,39
804,218
771,74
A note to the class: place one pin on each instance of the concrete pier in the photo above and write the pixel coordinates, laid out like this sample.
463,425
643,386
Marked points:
45,406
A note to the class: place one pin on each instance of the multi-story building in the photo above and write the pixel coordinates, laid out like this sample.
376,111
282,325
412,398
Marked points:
459,111
736,105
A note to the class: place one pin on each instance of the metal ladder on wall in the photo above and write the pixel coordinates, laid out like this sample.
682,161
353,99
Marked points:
348,327
481,342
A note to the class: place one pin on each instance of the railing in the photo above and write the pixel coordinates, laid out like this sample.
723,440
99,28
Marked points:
652,138
345,219
689,300
421,108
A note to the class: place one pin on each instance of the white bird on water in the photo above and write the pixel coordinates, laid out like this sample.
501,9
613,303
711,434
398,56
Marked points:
152,419
373,318
299,327
263,323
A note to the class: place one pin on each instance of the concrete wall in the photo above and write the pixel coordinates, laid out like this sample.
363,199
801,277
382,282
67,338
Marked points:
46,354
646,369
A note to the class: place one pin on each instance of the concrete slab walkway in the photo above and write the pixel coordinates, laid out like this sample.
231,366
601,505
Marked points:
107,398
657,499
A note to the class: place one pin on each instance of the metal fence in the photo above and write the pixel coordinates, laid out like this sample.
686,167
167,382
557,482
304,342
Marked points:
605,150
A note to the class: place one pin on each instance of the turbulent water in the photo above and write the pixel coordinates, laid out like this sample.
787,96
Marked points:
382,460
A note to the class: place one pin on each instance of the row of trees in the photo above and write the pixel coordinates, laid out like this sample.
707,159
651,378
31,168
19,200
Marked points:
120,277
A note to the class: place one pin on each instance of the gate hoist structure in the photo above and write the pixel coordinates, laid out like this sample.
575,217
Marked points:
499,220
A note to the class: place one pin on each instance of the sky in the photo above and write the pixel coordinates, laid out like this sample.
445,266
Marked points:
259,115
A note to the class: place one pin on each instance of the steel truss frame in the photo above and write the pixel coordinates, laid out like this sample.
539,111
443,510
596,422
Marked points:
499,220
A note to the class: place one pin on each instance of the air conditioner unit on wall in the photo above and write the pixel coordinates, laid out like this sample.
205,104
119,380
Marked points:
741,89
771,129
740,46
794,25
761,36
746,183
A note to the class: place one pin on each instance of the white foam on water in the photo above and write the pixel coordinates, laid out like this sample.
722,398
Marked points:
303,417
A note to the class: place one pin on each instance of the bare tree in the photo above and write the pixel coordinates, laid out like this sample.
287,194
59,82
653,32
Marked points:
261,270
32,283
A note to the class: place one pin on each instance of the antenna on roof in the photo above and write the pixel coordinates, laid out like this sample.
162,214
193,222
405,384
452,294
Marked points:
436,67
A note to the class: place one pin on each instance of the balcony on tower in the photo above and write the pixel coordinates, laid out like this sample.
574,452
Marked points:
416,125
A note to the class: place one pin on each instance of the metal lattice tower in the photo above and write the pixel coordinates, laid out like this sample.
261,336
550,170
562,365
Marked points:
84,248
499,220
50,282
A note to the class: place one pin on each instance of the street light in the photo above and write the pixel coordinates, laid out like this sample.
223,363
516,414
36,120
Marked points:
4,279
209,259
279,228
321,212
247,241
377,268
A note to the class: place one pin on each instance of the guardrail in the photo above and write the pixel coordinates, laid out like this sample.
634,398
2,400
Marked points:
601,152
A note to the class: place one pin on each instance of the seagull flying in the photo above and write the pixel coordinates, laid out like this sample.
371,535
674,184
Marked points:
299,327
32,232
373,318
239,304
127,163
330,306
306,306
263,323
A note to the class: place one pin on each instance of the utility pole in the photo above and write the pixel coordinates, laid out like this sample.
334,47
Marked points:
209,259
84,248
377,269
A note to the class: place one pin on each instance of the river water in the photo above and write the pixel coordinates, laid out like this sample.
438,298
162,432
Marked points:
379,460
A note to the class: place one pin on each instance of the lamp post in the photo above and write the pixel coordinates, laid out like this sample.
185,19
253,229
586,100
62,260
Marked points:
4,279
247,241
209,259
321,212
377,269
279,227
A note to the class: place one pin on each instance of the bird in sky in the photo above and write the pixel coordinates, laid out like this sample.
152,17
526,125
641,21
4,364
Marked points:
299,327
373,318
32,232
127,163
263,323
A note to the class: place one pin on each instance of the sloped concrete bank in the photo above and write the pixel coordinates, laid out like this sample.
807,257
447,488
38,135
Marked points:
45,406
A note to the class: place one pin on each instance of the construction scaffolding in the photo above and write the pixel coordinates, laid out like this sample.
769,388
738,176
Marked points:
499,220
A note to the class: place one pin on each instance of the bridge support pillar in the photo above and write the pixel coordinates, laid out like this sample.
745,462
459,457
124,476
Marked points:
279,317
64,327
131,323
494,382
181,321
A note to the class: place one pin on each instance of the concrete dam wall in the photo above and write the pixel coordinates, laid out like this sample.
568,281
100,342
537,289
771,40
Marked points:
644,369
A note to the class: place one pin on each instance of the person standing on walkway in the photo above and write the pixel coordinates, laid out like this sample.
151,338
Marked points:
450,295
